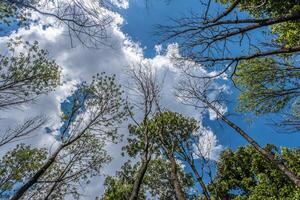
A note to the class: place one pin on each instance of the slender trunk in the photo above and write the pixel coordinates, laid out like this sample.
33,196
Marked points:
50,191
200,180
139,178
20,192
174,179
281,166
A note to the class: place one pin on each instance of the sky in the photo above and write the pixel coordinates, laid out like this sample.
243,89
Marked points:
132,34
159,12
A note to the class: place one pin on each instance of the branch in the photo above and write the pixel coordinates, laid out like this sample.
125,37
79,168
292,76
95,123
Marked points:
225,13
255,55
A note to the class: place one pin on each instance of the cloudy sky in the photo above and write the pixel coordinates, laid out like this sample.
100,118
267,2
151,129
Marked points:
133,42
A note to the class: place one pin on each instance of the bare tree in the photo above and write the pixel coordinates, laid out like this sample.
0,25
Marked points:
96,109
209,37
191,152
22,131
198,93
86,21
144,89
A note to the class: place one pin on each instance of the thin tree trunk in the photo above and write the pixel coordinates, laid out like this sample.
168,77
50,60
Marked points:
50,191
201,182
139,178
281,166
20,192
174,179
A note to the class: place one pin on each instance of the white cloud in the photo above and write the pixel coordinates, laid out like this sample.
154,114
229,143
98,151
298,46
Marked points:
207,146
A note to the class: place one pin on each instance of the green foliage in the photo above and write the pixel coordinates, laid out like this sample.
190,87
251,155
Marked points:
266,85
120,186
156,181
172,128
26,73
136,141
12,13
269,8
74,166
17,165
245,174
141,138
99,106
287,34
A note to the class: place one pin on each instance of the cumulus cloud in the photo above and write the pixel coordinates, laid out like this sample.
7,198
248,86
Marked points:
207,146
81,63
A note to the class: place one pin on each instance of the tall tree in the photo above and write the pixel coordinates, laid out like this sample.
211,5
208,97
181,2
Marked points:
183,139
74,167
144,88
168,128
156,182
264,42
196,92
96,110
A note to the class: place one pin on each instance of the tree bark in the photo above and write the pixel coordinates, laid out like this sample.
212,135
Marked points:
174,179
139,178
201,182
281,166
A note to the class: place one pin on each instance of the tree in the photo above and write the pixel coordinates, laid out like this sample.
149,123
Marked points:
156,181
141,144
26,73
17,165
74,167
197,93
264,42
182,141
168,127
25,76
120,186
85,21
96,110
273,87
272,90
245,174
208,37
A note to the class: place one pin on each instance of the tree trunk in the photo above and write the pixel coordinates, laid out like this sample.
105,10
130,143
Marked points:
20,192
139,178
174,179
281,166
201,182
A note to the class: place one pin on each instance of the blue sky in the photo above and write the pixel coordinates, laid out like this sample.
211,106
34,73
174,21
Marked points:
139,25
80,64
